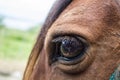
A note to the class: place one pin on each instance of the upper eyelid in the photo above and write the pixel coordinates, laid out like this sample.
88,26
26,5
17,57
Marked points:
62,36
59,39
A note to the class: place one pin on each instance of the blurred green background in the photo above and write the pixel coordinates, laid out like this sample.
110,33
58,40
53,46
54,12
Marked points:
20,23
15,48
16,44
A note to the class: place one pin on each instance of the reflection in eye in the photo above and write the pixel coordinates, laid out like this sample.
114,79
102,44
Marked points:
68,48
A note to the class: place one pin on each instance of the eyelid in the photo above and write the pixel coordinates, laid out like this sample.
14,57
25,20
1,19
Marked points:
59,39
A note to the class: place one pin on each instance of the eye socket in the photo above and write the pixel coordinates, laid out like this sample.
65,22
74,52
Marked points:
68,48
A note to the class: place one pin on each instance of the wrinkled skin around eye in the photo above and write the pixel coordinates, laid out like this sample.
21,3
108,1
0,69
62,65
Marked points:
69,52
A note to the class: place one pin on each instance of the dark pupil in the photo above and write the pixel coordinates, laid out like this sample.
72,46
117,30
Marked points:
71,47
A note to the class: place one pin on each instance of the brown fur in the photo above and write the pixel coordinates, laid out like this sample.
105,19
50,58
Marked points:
98,21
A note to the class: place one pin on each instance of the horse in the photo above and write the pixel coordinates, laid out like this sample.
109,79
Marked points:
80,40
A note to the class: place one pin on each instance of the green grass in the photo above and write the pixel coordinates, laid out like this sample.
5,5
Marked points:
16,44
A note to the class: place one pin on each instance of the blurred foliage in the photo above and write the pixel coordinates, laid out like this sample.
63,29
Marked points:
1,20
16,44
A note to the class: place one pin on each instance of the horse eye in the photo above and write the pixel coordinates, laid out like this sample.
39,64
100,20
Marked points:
68,48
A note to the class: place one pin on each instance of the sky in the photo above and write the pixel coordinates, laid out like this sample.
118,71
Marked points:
23,14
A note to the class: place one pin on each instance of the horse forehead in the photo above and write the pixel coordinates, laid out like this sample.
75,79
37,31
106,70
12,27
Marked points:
87,18
82,11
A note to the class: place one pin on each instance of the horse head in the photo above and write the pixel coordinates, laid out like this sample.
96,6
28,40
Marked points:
80,40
